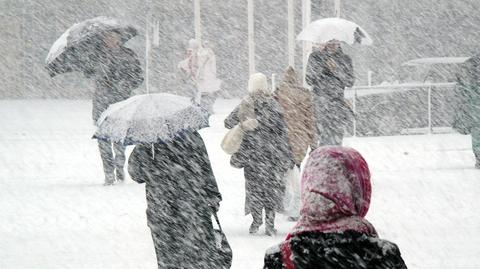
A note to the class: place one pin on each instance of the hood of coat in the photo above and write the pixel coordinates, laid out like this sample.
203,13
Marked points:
258,84
290,77
340,175
336,192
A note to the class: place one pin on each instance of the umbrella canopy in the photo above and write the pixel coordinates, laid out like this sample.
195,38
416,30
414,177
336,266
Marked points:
324,30
70,51
150,118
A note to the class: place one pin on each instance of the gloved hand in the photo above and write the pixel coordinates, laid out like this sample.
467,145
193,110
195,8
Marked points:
249,124
215,205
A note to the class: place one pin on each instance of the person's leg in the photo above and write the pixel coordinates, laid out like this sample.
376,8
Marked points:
256,212
119,150
106,154
270,222
476,145
337,135
296,194
207,101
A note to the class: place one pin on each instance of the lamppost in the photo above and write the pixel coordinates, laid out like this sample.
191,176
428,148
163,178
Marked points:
291,32
197,21
251,37
338,8
307,46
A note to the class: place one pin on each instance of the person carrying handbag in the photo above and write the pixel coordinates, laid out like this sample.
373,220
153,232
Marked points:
264,153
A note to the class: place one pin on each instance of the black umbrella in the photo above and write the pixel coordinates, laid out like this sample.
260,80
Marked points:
74,49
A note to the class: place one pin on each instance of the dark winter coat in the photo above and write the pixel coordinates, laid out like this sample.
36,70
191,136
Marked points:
181,192
264,154
329,73
313,250
116,73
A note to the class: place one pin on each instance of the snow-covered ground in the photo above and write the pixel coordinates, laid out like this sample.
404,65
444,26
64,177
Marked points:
55,213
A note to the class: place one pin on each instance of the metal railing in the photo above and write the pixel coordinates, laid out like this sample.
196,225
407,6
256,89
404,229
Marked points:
359,91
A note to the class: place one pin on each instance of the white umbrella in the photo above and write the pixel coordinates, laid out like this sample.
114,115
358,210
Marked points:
324,30
150,118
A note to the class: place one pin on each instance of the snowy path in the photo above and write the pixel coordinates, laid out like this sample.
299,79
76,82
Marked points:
54,212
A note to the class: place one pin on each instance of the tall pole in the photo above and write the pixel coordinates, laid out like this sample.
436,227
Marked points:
251,37
291,33
307,46
147,54
147,46
338,7
197,21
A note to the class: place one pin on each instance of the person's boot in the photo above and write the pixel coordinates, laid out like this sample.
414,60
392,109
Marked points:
120,175
257,221
109,179
269,222
254,227
270,231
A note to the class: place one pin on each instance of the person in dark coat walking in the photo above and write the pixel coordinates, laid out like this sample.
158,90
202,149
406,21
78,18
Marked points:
329,71
182,195
117,72
332,231
264,154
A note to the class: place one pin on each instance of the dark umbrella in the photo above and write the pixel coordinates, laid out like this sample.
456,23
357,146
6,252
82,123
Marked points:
73,49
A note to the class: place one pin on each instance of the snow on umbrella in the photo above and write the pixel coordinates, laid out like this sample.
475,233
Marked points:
150,118
324,30
70,51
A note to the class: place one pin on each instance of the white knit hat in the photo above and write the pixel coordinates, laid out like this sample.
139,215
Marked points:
258,83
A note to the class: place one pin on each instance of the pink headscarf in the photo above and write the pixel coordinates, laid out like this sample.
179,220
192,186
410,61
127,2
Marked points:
336,192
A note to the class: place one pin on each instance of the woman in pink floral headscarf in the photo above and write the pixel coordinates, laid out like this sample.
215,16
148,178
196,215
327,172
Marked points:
332,231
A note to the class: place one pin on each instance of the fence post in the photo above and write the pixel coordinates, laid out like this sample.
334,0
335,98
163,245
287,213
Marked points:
354,108
430,130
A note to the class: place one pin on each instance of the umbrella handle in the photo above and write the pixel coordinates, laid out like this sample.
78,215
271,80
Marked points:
153,151
218,221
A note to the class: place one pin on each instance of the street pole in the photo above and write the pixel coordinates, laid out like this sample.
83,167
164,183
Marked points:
338,6
197,21
147,46
251,37
307,46
147,54
291,33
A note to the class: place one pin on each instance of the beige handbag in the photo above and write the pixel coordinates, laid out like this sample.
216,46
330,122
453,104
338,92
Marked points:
233,139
